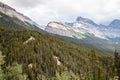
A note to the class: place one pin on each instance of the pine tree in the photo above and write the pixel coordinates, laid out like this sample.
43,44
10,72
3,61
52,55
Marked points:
15,72
63,76
89,76
117,63
93,61
1,62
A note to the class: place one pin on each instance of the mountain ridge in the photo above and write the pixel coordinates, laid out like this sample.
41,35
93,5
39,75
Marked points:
85,20
115,24
8,13
84,30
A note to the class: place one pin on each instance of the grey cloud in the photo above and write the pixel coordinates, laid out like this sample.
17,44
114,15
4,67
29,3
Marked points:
67,10
28,3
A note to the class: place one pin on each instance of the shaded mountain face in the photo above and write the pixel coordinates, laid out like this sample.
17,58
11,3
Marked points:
85,20
6,7
115,24
9,17
87,32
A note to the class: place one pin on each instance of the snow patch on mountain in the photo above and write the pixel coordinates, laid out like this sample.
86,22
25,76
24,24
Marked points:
77,29
83,28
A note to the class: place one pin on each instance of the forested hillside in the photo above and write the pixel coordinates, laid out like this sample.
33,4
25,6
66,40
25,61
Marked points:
41,57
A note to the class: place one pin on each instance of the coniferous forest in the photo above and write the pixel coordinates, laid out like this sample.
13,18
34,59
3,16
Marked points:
32,55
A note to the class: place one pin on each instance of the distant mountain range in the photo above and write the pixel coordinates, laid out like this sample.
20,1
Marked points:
82,30
84,26
88,32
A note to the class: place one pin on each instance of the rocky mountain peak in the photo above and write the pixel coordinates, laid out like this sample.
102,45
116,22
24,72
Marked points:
5,7
85,20
115,23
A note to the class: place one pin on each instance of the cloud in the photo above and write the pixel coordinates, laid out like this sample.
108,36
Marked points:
43,11
26,3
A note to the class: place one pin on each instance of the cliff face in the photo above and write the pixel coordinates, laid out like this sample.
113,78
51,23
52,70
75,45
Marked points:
7,10
10,17
5,7
13,13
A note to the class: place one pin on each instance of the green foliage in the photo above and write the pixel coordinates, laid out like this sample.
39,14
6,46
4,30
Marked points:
63,76
1,63
89,76
117,64
14,72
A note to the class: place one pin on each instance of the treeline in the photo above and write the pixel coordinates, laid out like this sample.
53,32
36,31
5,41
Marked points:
42,57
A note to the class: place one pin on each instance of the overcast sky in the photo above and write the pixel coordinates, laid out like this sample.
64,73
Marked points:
44,11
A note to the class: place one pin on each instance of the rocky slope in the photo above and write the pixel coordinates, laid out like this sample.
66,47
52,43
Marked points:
9,16
86,31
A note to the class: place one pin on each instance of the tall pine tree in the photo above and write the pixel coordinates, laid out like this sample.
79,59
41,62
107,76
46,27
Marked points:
117,63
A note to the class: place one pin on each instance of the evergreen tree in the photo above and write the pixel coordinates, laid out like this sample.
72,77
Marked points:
63,76
93,61
89,76
15,72
117,63
1,62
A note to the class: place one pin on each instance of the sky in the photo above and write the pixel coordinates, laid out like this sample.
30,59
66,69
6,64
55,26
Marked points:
44,11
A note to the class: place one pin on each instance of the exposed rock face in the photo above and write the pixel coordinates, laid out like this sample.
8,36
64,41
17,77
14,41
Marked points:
85,20
58,28
30,65
13,13
58,62
115,24
30,39
6,7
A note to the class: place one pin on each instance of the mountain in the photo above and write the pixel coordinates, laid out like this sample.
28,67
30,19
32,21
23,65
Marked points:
79,28
86,31
85,20
59,28
115,24
9,17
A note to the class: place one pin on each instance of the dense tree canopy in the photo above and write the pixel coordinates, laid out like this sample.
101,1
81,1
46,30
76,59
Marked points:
38,54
